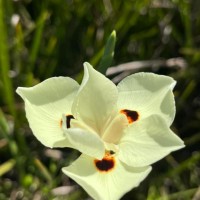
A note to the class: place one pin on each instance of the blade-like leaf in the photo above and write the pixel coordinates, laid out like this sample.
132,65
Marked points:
5,62
6,166
108,53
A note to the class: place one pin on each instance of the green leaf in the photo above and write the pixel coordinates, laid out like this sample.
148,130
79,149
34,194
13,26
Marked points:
4,128
5,63
6,166
37,39
42,168
108,53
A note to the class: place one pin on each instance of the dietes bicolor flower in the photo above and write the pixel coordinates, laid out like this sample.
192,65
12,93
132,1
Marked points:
120,130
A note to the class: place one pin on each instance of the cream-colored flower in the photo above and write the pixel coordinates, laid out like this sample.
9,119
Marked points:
120,131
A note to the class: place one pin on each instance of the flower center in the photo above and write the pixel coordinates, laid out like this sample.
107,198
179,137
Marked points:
131,115
107,163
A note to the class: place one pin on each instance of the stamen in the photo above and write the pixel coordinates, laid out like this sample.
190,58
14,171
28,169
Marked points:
131,115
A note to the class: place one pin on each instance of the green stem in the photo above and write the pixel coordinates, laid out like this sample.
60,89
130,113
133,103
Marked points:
5,63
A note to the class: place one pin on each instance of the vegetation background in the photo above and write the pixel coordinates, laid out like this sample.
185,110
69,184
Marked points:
41,39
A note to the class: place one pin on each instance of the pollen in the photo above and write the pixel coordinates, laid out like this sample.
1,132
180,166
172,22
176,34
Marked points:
68,119
131,115
107,164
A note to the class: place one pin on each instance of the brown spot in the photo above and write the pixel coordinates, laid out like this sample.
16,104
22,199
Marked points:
107,164
111,152
131,115
68,119
60,123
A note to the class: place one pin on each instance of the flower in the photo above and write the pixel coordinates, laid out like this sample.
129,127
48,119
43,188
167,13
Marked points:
120,131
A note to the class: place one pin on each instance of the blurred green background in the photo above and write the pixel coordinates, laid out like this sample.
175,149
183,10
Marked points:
41,39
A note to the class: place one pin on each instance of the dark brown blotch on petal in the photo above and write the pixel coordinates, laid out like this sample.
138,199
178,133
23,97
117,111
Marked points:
107,164
68,119
131,115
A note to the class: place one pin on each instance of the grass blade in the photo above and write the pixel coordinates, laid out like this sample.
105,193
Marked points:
37,39
5,63
6,166
108,53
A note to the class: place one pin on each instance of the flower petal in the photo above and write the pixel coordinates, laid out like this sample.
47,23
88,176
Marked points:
148,94
147,141
109,185
44,105
96,99
86,142
114,130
